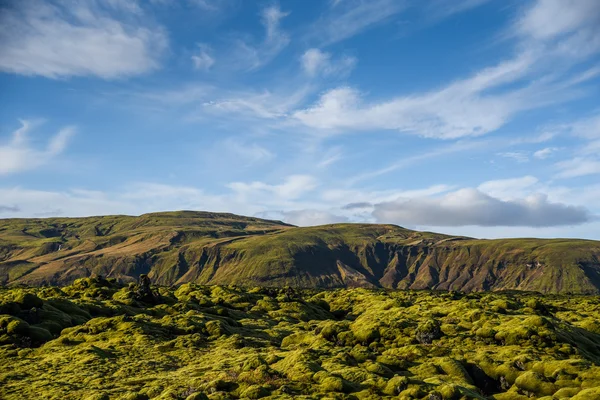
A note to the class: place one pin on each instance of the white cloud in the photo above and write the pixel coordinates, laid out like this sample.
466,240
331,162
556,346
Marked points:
588,128
351,17
202,59
135,199
316,62
351,197
18,154
250,153
292,188
454,148
61,39
304,217
578,166
439,9
330,157
540,74
544,153
547,19
518,156
472,207
264,105
506,189
251,56
461,109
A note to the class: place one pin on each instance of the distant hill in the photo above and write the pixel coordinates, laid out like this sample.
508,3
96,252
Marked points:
212,248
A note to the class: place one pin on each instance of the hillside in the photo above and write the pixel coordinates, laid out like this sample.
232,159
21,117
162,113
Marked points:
210,248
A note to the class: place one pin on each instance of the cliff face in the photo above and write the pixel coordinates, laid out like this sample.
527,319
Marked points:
209,248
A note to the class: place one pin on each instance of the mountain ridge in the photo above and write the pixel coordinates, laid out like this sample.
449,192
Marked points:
218,248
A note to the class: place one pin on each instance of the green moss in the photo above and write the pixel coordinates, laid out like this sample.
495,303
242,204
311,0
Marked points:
588,394
535,383
428,331
17,327
227,348
299,365
28,301
449,392
395,385
197,396
255,392
332,384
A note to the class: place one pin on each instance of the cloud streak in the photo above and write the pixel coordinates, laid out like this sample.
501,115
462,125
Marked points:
62,39
348,18
490,98
253,56
17,155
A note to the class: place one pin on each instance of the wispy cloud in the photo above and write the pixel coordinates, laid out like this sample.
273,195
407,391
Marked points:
262,105
60,39
584,160
440,9
293,187
249,153
518,156
252,56
544,153
511,188
316,62
348,18
202,59
454,148
18,155
487,100
578,166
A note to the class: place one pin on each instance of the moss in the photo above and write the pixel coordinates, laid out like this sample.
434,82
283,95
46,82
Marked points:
39,335
17,327
588,394
332,384
255,392
412,393
299,365
253,362
455,369
428,331
395,385
535,383
378,369
449,392
165,350
97,396
197,396
218,328
566,393
361,353
27,301
364,332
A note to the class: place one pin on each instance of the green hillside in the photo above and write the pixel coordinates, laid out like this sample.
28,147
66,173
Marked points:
210,248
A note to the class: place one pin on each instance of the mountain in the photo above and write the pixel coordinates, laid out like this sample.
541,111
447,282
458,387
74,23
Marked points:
212,248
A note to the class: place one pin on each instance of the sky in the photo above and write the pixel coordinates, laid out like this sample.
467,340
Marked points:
468,117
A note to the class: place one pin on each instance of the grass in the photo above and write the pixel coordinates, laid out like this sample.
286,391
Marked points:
98,339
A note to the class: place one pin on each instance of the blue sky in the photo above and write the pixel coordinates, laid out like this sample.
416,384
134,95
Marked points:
474,117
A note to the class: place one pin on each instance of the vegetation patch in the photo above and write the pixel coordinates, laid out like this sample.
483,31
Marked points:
100,339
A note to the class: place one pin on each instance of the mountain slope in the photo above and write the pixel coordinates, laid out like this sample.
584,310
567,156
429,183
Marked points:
213,248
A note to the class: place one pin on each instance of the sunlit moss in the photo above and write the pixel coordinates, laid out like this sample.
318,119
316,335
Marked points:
99,340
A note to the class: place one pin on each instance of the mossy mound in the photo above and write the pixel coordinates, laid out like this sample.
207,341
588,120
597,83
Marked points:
97,339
